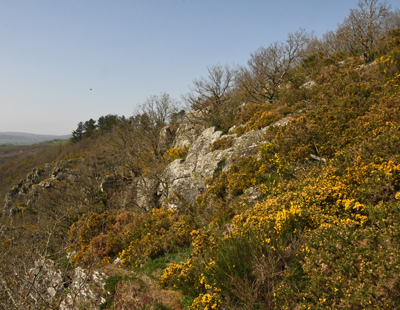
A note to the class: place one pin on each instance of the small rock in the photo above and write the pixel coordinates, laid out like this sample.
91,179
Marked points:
117,261
252,193
308,85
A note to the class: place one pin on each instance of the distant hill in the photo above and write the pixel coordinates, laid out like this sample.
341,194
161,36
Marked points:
21,138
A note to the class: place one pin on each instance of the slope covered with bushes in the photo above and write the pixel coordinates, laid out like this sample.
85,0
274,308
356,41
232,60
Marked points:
307,219
325,235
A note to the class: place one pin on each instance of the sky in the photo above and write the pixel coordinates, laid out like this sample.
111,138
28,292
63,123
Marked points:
53,52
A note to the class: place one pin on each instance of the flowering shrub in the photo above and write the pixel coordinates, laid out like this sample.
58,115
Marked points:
175,153
155,233
257,116
389,64
238,270
268,237
183,277
314,239
349,268
218,203
330,199
133,237
94,237
206,302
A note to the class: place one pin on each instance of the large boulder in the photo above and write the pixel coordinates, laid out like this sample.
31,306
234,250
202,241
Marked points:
187,178
147,195
190,128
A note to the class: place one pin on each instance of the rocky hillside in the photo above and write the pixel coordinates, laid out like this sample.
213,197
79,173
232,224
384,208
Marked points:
283,198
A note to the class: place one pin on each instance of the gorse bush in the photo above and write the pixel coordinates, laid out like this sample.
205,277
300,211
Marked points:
219,202
93,238
276,229
390,64
133,238
314,237
175,153
348,267
154,234
307,219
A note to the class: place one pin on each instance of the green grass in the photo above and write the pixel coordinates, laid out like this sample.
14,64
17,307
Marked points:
187,301
4,147
163,261
65,263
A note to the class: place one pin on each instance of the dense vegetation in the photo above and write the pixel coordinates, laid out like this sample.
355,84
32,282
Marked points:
324,232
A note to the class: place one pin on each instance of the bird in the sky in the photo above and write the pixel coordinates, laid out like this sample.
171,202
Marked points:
90,89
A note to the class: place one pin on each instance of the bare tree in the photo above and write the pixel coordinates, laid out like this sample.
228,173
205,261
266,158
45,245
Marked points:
362,29
392,21
269,67
159,109
139,146
150,119
210,97
213,90
29,278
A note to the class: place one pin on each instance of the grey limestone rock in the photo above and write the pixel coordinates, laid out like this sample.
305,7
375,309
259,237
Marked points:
187,178
48,281
190,128
308,85
147,194
86,290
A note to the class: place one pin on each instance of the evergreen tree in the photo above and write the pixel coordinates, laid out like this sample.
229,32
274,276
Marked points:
77,134
90,128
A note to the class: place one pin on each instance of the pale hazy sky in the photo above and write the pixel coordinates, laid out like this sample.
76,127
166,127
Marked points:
53,52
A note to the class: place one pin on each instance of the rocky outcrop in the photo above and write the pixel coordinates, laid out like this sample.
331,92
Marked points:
190,128
147,194
86,290
34,176
82,289
186,178
183,178
27,190
23,188
47,281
